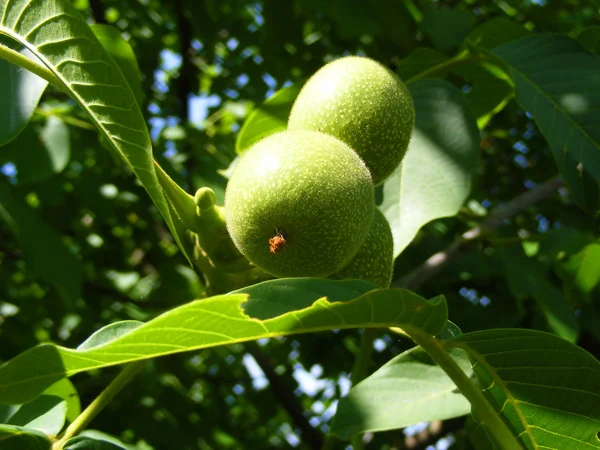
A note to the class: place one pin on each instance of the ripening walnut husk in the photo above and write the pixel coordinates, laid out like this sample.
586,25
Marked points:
299,203
362,103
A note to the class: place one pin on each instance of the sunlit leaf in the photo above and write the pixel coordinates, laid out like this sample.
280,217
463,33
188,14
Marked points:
407,390
547,389
434,178
46,414
273,308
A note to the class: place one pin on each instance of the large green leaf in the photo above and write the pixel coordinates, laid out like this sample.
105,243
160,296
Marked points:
546,389
270,117
557,82
20,94
434,178
273,308
409,389
18,438
60,38
494,33
43,250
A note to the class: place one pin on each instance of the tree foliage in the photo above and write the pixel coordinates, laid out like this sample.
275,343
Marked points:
113,113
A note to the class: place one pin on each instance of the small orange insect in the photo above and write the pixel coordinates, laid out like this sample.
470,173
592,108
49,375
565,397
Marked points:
276,242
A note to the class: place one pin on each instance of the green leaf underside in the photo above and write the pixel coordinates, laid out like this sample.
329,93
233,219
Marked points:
547,389
407,390
89,443
43,250
46,414
18,438
556,80
223,320
434,179
59,37
269,118
20,94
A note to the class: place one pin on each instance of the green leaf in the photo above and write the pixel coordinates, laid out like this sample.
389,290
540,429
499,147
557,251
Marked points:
40,153
446,27
109,333
590,37
528,278
90,443
556,80
46,414
61,39
409,389
18,438
228,319
434,179
65,390
270,117
490,91
584,267
493,33
122,53
20,94
43,250
418,62
547,389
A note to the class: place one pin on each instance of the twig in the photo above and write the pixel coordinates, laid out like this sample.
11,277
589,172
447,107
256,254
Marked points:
414,279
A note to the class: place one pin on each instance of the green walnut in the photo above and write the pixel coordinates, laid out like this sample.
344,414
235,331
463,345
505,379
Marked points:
362,103
299,203
375,259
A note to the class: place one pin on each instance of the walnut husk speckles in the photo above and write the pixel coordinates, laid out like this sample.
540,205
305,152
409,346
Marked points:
299,203
362,103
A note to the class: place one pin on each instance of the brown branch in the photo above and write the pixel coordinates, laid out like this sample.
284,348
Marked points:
414,279
285,395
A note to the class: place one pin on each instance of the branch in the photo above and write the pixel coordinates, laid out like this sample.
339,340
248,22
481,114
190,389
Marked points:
414,279
287,398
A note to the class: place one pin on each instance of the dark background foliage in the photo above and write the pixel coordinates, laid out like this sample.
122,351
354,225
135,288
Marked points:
205,65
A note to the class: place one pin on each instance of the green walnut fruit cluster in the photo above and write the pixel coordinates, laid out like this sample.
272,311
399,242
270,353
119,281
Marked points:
301,202
362,103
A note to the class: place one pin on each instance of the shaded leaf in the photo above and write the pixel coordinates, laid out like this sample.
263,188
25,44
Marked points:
434,178
18,438
270,117
528,278
409,389
90,443
556,81
227,319
20,94
547,389
43,250
495,32
46,414
590,37
446,27
418,62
